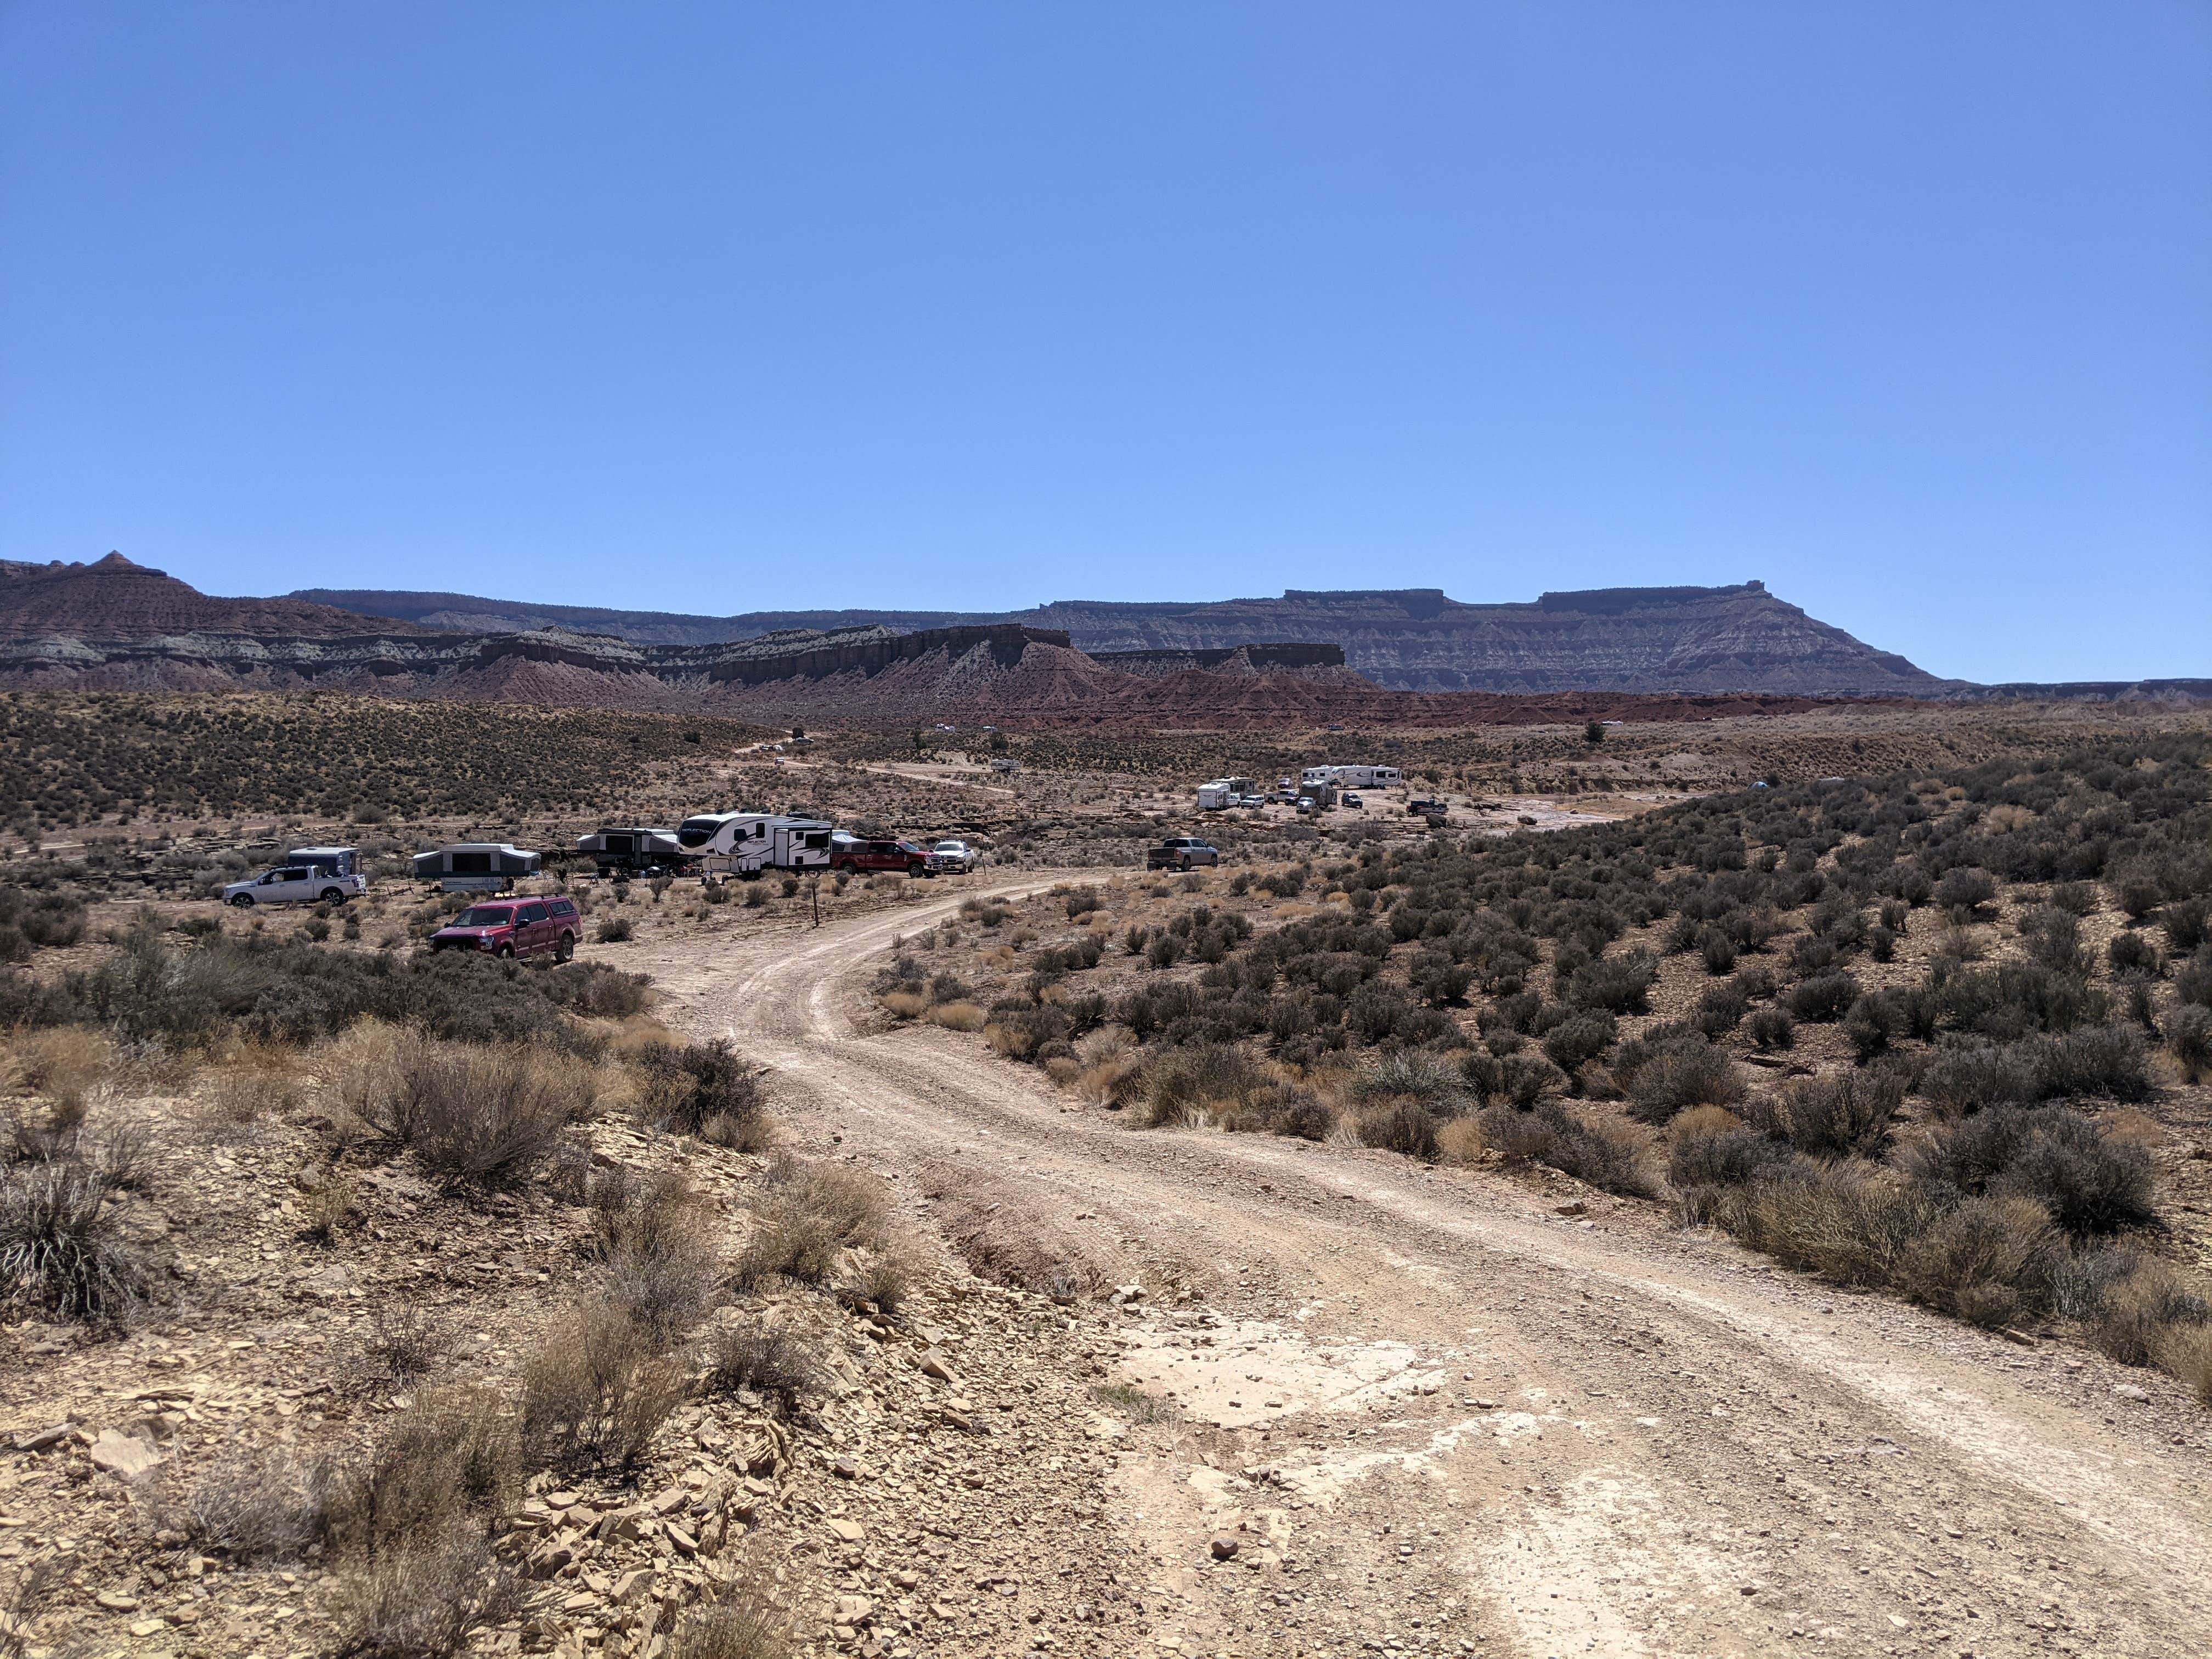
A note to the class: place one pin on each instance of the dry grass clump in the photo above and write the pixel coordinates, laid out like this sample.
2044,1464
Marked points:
958,1016
1134,1403
655,1239
765,1359
473,1116
405,1342
1461,1141
62,1254
1549,1133
424,1601
596,1391
62,1065
743,1624
1203,1080
815,1214
450,1462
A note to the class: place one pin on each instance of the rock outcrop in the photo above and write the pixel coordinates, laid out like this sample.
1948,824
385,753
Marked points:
1617,639
115,625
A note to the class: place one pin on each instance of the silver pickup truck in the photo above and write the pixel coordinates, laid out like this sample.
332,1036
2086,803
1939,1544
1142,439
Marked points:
1181,853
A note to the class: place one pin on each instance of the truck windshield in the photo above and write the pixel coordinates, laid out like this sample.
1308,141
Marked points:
483,915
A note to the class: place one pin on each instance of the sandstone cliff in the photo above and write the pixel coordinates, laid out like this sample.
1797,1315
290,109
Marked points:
1624,639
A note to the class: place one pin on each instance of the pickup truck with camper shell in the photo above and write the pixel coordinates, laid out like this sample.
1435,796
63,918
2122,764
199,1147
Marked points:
514,928
300,880
1181,853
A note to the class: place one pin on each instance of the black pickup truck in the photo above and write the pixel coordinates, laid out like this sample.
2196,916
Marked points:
1181,853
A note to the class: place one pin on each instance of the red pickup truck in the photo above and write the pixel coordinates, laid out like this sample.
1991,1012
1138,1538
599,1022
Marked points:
851,853
514,928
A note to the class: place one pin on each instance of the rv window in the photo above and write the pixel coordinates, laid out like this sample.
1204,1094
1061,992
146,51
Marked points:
818,839
470,863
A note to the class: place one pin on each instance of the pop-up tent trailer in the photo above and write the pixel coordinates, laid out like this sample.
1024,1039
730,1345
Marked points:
633,851
475,866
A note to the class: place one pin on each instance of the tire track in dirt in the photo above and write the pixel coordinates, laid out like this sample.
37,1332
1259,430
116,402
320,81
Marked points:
1633,1445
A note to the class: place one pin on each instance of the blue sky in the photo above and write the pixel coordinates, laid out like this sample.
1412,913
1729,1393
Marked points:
1906,309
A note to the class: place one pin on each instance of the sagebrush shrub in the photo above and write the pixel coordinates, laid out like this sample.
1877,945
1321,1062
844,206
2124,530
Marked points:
596,1391
473,1116
2085,1180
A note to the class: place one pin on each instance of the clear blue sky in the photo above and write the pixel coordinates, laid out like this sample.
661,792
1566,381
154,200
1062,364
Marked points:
1906,309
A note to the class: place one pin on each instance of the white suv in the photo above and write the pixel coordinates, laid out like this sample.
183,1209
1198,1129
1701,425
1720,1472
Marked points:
290,884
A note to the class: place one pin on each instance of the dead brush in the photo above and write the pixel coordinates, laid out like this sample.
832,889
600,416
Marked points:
239,1102
596,1391
743,1623
425,1599
404,1345
260,1504
815,1214
764,1359
447,1464
960,1016
653,1236
328,1208
62,1065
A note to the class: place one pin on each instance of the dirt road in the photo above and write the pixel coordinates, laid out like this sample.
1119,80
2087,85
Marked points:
1448,1418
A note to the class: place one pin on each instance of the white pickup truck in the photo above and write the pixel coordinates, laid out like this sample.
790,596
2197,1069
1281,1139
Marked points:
309,875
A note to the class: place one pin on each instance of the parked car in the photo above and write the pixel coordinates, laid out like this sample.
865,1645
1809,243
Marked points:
851,853
1305,805
955,856
291,883
1181,853
1354,802
514,928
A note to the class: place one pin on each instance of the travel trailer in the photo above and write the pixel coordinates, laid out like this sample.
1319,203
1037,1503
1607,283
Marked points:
746,843
1354,777
475,866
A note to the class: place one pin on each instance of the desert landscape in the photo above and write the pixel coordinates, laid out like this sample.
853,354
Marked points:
1720,1176
1244,831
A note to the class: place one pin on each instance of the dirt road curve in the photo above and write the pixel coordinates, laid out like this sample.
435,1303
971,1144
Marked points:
1593,1435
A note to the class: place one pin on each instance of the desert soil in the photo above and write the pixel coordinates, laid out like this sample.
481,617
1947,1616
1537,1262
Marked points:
1458,1411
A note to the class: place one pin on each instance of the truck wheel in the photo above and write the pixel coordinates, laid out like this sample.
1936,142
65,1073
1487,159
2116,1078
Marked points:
1183,864
331,896
566,948
242,902
505,953
914,870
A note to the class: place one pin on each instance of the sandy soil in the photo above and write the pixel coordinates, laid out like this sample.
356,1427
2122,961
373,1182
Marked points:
1441,1415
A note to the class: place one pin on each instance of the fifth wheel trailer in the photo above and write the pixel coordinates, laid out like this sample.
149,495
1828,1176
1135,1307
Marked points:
746,843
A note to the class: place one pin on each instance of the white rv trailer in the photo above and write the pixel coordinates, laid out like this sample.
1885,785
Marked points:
1354,777
746,843
1212,797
